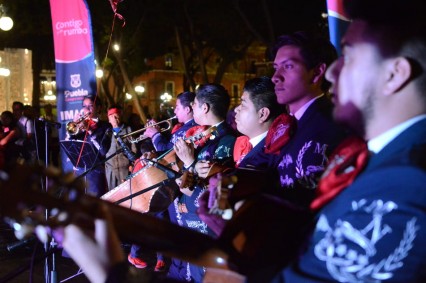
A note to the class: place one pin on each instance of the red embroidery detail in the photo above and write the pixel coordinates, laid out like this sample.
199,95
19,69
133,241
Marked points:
279,133
346,162
241,148
177,127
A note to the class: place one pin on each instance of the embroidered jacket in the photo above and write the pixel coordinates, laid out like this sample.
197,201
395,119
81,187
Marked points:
375,229
220,149
302,160
163,143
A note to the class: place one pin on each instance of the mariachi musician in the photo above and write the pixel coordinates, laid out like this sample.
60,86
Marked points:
254,117
210,106
89,128
185,117
117,166
161,143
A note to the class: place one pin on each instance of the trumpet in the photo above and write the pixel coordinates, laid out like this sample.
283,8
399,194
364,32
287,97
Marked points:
142,137
74,127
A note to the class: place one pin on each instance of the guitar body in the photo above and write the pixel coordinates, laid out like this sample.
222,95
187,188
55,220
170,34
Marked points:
154,200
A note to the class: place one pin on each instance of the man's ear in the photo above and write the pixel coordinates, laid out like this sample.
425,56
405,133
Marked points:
188,109
264,114
205,107
398,73
319,72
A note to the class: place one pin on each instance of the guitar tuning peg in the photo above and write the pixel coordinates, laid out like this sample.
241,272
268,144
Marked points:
227,214
54,212
42,233
58,216
22,231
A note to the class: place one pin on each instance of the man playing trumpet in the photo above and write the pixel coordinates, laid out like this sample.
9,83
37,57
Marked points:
184,115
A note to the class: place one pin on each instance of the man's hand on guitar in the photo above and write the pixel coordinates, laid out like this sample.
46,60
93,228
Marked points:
184,151
96,252
202,168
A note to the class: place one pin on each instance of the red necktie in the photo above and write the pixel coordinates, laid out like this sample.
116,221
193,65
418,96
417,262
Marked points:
279,133
241,148
346,162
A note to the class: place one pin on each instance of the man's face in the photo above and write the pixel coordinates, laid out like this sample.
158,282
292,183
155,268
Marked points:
198,113
356,77
292,79
17,111
180,112
114,120
246,116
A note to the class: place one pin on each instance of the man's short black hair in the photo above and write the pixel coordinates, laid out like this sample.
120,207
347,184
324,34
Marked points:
186,98
314,49
216,96
262,94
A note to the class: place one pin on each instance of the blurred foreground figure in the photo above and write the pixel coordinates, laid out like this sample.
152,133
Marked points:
375,228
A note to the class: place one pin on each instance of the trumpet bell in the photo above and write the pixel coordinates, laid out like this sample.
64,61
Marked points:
72,128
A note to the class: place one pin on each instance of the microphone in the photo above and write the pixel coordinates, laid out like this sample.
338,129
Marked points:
50,123
126,150
171,174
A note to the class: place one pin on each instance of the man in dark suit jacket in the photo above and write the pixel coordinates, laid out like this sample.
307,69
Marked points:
210,106
300,63
374,230
254,116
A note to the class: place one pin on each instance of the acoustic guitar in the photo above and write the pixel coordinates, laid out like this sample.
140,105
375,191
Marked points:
264,232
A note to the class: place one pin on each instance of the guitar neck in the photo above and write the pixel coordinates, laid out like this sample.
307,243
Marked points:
16,199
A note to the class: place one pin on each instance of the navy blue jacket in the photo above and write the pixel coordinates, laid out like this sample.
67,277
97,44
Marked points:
163,143
374,230
302,160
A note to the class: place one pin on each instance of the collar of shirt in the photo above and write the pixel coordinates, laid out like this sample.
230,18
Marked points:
217,125
299,113
378,143
254,141
188,121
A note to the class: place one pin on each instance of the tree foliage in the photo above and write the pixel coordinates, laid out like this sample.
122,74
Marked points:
223,28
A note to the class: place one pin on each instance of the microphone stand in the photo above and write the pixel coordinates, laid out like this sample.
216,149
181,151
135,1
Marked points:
49,273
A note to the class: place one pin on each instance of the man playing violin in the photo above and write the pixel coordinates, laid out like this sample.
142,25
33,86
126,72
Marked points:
210,106
93,131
